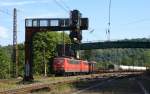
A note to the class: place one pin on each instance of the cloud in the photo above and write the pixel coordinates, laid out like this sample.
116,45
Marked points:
16,3
3,32
20,3
24,2
47,15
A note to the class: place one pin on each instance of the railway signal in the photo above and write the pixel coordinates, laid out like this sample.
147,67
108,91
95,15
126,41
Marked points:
75,23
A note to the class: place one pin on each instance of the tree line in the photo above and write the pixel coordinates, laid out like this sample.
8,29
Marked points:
44,49
130,56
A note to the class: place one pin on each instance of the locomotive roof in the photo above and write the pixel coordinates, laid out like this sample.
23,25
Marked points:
74,59
92,62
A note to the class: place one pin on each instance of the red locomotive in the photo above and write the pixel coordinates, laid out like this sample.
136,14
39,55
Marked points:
70,66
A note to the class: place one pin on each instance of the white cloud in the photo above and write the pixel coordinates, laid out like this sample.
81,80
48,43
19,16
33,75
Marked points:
15,3
20,3
3,32
48,15
24,2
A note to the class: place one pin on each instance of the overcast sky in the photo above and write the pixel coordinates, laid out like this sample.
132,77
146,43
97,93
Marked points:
129,18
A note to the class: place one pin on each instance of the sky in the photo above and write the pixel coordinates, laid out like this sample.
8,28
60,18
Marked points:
129,18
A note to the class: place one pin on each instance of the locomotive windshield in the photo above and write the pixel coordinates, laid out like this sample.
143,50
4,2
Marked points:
73,61
58,60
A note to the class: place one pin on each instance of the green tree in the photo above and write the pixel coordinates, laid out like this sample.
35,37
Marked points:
44,49
4,65
21,61
147,58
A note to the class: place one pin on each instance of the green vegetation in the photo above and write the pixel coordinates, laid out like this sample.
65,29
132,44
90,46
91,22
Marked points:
4,64
44,49
107,57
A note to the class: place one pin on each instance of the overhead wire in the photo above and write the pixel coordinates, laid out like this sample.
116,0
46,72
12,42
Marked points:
66,8
65,5
91,30
61,6
5,12
9,14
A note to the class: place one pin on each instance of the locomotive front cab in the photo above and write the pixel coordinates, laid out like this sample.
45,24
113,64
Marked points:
58,65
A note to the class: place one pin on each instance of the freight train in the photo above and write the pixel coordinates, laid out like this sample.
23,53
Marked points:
71,66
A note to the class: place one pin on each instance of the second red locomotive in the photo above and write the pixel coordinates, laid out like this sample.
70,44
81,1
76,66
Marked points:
71,66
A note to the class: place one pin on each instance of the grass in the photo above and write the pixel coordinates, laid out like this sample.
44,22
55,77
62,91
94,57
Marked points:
16,83
8,84
53,79
65,88
62,89
4,86
56,89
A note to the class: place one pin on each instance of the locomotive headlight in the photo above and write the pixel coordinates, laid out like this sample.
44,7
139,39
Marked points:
75,39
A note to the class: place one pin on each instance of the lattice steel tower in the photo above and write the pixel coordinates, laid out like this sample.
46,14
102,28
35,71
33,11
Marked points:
15,46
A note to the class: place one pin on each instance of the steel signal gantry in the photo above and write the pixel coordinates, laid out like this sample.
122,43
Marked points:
75,24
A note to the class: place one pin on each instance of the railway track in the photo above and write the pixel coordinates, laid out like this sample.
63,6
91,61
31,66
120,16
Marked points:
23,89
122,84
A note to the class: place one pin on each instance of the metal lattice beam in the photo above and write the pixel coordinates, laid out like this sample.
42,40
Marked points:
110,44
54,24
117,44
